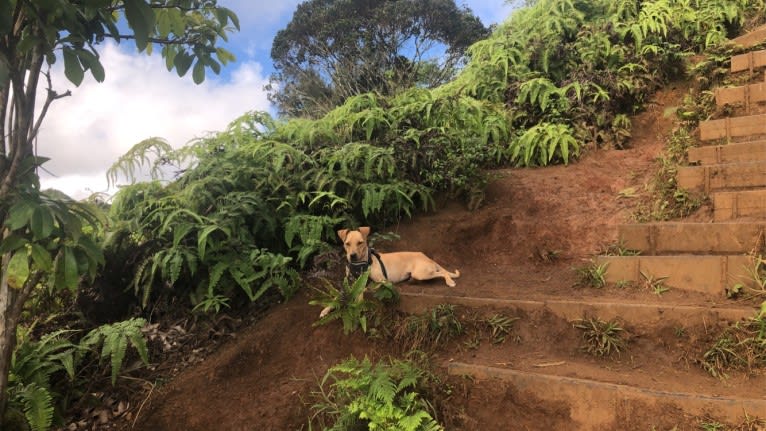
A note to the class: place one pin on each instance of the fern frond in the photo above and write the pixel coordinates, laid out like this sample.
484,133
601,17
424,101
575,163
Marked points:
152,152
38,406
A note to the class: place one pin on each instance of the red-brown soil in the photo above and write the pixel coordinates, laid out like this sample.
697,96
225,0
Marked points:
535,225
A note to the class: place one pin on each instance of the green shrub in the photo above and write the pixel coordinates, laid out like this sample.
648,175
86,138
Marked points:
362,395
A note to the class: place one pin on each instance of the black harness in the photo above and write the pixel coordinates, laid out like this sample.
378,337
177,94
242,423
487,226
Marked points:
355,269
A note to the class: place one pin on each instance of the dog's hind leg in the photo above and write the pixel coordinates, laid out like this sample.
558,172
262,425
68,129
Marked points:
435,271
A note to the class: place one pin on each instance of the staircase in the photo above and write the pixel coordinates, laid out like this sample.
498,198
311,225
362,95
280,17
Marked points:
699,261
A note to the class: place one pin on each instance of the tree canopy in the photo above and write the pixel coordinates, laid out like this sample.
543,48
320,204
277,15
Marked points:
334,49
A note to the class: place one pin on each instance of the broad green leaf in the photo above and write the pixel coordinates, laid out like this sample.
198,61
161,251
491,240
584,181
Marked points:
18,269
169,52
41,223
19,214
12,243
177,23
163,22
6,19
198,74
72,67
182,62
91,249
71,277
232,16
92,63
41,257
141,19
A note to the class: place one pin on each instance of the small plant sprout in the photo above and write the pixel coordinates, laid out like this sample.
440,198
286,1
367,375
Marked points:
741,345
624,284
592,275
499,327
655,284
600,338
712,426
212,303
619,249
755,282
429,330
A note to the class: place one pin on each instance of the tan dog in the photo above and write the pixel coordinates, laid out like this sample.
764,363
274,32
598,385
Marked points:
394,267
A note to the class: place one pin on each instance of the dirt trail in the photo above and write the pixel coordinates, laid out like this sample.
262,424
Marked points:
260,379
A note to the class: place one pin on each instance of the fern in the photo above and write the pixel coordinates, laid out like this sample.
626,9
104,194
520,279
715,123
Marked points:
38,406
542,143
114,339
541,93
380,396
152,152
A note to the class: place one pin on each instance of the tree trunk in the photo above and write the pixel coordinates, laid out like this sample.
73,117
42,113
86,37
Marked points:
7,334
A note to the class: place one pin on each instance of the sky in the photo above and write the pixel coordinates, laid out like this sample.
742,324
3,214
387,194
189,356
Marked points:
85,133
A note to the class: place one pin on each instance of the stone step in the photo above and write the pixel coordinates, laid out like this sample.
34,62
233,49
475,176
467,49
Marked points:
723,177
746,94
731,153
694,238
749,204
710,275
751,38
748,61
733,127
633,312
596,405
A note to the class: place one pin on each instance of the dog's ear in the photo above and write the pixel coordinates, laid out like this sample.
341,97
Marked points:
342,234
365,230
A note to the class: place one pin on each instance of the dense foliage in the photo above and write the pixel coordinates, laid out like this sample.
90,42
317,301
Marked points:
255,202
361,395
48,241
334,49
252,205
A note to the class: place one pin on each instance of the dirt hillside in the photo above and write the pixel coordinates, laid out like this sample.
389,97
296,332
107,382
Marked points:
534,226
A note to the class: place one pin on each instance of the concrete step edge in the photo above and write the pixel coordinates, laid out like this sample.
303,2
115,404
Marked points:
584,396
571,309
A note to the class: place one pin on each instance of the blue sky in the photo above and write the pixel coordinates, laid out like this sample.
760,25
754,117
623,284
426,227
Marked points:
85,133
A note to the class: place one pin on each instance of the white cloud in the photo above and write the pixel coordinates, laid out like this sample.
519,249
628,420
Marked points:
85,133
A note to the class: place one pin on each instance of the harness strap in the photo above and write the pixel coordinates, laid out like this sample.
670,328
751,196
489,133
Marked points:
382,267
357,268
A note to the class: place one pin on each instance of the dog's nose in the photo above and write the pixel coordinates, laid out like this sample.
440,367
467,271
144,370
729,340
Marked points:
354,256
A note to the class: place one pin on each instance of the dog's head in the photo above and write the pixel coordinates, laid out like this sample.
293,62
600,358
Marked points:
355,243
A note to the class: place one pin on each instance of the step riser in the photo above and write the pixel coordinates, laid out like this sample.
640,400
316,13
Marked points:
696,238
748,61
710,275
732,206
747,94
634,314
598,404
722,177
752,37
732,153
733,127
